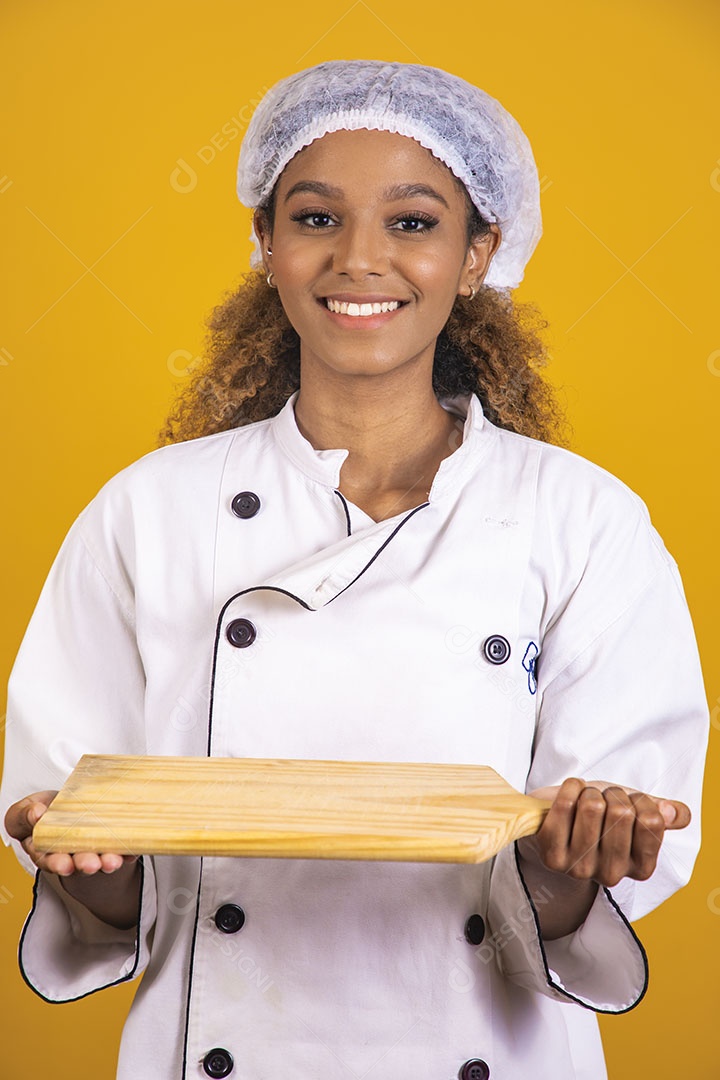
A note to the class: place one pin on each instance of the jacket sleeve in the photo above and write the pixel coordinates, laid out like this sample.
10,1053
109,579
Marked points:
77,687
622,701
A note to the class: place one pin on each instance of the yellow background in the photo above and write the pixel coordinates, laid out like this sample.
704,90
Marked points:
115,252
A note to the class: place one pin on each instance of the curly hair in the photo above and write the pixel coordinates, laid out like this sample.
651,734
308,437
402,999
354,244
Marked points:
489,346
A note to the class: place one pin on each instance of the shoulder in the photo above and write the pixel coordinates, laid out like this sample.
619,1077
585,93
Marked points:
169,492
588,525
188,467
566,475
575,490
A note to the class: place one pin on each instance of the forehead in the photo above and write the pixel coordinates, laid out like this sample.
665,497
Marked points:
362,157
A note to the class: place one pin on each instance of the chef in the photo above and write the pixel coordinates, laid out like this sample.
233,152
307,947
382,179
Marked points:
372,551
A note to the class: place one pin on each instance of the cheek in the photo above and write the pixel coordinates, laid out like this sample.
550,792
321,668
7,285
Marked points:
436,266
297,263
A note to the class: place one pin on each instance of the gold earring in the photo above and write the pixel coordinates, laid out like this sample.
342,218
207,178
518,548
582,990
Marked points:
269,280
473,293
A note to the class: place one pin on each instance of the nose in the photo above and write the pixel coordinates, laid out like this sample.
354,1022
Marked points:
360,249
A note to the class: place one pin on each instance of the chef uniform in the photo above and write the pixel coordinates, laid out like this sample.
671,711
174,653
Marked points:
221,597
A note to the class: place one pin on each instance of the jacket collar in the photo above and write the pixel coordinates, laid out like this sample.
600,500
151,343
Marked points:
473,437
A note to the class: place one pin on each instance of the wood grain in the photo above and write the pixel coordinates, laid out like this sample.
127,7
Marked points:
278,808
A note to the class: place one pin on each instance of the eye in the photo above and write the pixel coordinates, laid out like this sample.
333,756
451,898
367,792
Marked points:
313,219
417,223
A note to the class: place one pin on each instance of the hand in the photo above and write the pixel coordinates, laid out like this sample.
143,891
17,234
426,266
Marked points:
115,902
602,832
21,819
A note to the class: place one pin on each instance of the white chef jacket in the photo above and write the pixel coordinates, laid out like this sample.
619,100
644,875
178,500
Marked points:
371,643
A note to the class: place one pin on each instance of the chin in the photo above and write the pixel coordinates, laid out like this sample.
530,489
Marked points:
358,360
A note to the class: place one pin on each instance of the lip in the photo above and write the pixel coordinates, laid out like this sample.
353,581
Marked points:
365,298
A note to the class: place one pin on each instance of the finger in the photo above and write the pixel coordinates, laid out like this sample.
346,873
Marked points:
676,815
22,816
587,829
110,862
553,838
87,863
55,863
616,842
647,835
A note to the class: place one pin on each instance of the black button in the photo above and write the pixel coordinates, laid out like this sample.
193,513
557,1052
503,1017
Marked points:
218,1062
475,1069
230,918
475,929
241,633
496,649
245,505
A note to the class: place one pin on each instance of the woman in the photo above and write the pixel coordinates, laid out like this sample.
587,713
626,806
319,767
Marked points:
375,556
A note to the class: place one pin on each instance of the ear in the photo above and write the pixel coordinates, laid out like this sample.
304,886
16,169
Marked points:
262,231
479,256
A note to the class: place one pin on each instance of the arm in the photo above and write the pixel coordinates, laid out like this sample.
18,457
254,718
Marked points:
620,696
78,686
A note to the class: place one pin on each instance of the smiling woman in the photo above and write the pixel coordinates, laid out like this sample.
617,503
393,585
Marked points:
362,545
491,347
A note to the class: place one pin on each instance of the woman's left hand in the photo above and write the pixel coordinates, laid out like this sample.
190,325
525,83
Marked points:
603,832
595,833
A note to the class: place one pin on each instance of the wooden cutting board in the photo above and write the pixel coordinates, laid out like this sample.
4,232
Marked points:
286,809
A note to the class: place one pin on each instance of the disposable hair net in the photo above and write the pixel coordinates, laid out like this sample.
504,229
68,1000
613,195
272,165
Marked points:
460,124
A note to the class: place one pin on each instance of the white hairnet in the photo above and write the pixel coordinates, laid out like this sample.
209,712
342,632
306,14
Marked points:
461,125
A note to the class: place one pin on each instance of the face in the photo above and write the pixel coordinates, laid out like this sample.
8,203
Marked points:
370,218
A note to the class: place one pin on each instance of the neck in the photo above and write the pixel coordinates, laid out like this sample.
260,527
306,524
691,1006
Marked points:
395,430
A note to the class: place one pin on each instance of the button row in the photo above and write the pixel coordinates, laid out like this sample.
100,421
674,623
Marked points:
241,633
219,1062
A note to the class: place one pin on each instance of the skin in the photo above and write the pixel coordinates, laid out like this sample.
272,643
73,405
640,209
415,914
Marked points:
369,389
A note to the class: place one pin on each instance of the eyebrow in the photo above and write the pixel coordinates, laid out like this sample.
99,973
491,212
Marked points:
391,194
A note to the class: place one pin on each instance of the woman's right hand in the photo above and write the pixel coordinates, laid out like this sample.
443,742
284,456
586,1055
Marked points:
21,819
115,902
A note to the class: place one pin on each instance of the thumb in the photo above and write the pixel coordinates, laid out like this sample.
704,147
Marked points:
22,816
676,815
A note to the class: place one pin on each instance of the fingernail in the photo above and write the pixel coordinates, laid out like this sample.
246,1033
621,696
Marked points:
668,812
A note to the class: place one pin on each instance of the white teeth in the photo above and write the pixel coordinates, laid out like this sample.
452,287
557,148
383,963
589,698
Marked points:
342,307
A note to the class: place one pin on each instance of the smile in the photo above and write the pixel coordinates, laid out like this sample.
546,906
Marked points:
342,307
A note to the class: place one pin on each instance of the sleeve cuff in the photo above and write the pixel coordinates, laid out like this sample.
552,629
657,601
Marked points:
67,953
601,966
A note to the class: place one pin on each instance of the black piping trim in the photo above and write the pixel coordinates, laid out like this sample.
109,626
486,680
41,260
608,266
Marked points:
347,512
382,547
125,978
190,974
554,985
243,592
